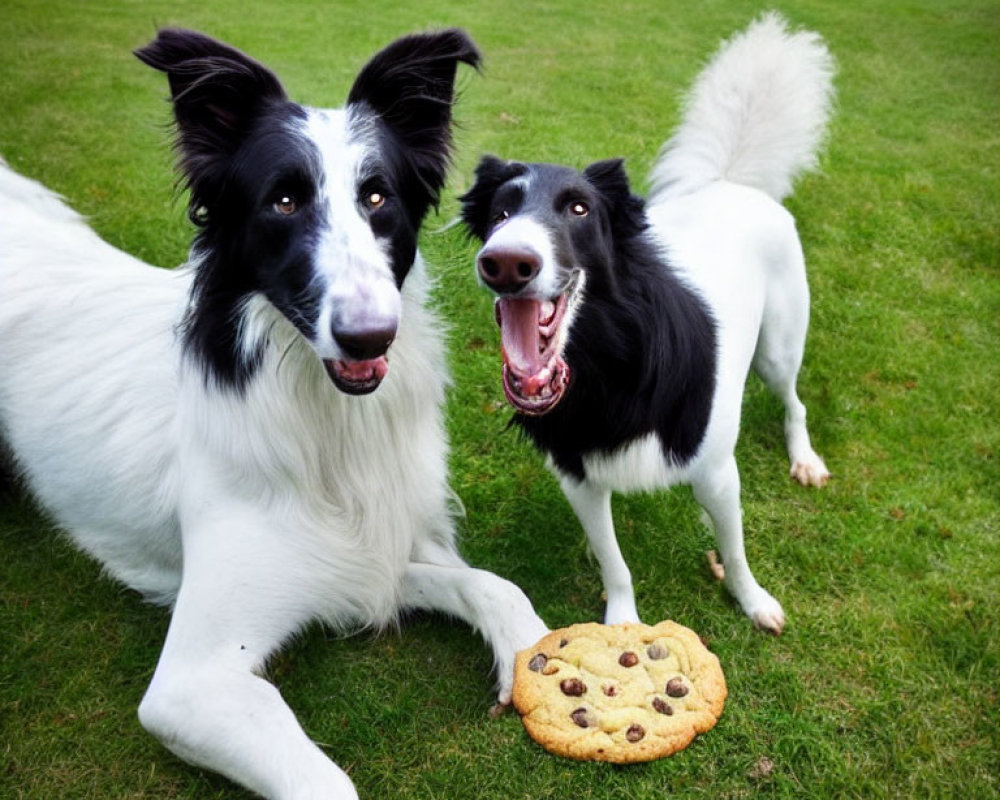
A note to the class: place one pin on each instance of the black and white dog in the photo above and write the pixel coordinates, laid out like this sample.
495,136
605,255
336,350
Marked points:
628,329
203,431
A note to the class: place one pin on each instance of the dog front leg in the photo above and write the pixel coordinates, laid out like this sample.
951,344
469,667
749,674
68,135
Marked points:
718,492
592,505
207,702
224,718
495,607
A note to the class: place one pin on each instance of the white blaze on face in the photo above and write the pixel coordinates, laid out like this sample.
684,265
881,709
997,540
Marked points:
352,265
533,322
522,232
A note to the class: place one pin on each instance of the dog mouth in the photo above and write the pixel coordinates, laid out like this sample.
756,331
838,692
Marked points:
532,333
357,377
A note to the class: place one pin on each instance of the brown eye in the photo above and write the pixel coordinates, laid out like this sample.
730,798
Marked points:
286,205
375,200
579,209
503,216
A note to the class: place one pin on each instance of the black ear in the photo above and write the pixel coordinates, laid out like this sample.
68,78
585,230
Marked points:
491,174
627,211
217,92
410,86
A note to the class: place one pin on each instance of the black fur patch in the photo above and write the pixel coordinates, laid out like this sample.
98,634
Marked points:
479,202
642,347
242,150
409,89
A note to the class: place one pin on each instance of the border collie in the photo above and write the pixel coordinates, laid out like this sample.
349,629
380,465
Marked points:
255,439
628,329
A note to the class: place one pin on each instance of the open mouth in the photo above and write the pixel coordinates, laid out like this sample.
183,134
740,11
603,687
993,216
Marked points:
357,377
532,332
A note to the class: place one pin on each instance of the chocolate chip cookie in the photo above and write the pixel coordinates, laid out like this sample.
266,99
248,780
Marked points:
620,693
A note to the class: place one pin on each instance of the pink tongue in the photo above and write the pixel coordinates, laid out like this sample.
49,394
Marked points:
519,335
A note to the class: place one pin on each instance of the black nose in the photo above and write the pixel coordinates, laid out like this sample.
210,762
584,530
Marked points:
364,345
507,270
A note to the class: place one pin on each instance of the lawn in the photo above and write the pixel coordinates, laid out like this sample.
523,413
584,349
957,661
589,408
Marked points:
885,681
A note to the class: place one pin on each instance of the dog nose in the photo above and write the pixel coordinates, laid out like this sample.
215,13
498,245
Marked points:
365,345
507,270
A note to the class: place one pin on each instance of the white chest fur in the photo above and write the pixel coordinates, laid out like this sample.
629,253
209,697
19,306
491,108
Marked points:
637,466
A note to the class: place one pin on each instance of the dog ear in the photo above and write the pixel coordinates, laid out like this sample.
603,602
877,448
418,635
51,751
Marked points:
609,177
217,93
626,210
410,86
216,90
491,174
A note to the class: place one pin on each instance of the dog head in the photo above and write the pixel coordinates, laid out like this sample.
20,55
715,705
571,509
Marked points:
549,234
316,210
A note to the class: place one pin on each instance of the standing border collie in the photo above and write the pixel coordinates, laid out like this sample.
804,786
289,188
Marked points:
628,330
203,431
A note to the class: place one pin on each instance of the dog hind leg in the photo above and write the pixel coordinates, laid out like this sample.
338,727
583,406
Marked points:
718,492
778,358
592,505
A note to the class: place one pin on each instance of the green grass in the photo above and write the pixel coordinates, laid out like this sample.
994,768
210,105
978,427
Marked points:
885,682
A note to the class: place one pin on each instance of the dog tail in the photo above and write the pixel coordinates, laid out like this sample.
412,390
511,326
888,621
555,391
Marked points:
756,114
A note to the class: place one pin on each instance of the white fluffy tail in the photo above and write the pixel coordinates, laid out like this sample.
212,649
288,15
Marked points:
756,114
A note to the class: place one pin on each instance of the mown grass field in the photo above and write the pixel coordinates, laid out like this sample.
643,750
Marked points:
885,682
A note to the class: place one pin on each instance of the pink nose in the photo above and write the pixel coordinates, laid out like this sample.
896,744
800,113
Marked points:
507,270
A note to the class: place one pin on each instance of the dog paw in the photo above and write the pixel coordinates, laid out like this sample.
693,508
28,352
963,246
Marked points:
505,687
768,617
764,611
514,638
810,471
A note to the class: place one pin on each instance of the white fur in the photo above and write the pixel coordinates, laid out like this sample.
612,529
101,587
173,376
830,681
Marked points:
756,116
251,514
531,236
360,288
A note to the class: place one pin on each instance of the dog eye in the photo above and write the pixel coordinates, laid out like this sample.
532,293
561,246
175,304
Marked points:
579,209
286,205
503,216
375,201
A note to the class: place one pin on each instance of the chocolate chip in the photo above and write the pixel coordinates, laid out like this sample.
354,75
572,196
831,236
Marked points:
609,689
676,688
635,733
573,687
662,706
580,717
657,652
628,659
538,662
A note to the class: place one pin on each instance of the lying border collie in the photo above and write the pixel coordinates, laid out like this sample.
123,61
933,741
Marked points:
204,432
628,329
